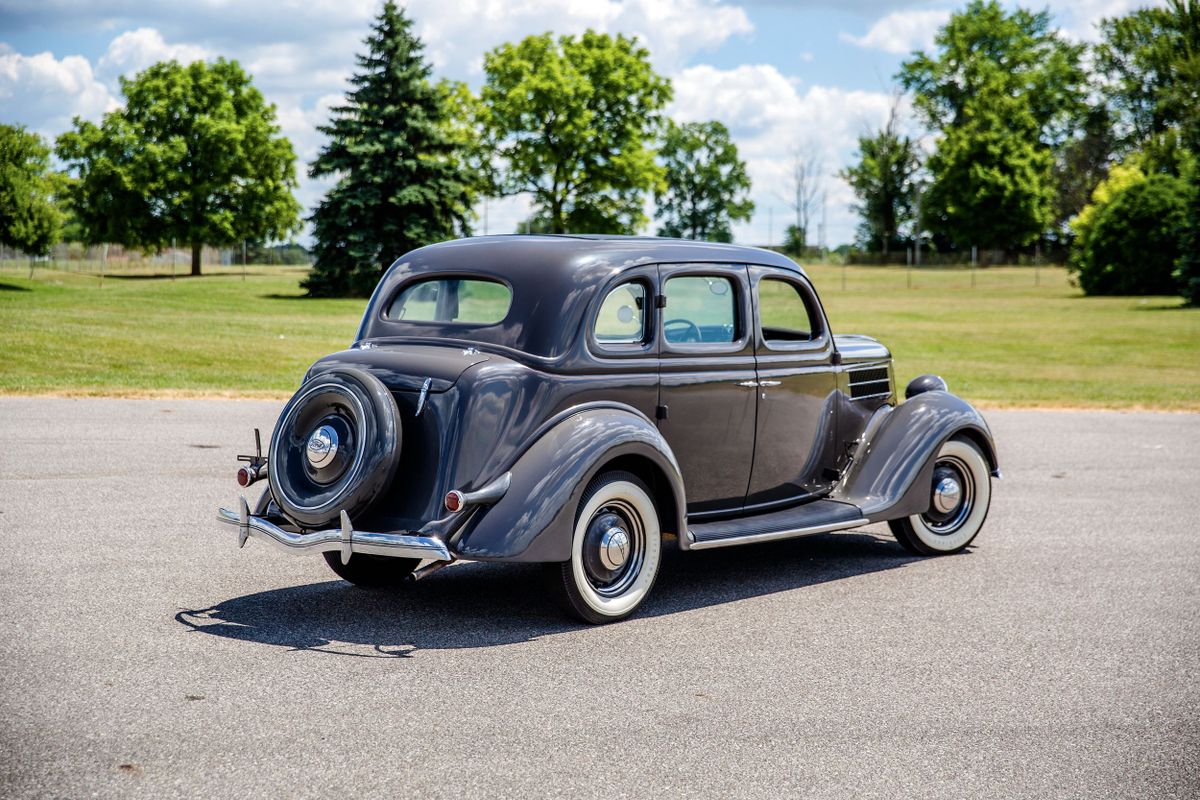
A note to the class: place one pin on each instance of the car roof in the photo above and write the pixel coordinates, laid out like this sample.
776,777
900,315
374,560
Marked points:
572,252
553,277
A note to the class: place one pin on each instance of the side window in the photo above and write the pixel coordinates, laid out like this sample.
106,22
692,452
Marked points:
785,313
622,317
701,309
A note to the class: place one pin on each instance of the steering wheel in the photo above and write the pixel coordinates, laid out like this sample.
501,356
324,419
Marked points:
690,333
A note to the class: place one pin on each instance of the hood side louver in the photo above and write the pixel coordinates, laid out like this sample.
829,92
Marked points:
872,382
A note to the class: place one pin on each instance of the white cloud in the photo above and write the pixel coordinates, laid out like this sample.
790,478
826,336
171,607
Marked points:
133,51
302,52
901,32
1079,18
772,119
44,93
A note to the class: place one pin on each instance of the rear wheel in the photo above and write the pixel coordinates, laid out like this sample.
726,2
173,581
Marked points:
615,551
370,571
960,494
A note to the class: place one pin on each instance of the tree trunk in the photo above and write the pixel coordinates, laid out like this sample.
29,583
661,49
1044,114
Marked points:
196,247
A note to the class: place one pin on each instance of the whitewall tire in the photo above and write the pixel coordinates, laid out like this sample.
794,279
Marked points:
960,494
616,547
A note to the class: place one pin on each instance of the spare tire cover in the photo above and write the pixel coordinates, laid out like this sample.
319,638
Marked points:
335,447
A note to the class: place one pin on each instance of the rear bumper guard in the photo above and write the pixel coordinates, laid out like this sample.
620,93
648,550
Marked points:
344,539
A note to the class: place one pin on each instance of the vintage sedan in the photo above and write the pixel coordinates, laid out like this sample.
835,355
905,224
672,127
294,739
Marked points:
586,401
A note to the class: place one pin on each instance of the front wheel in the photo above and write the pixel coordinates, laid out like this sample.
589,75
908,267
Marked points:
615,551
960,494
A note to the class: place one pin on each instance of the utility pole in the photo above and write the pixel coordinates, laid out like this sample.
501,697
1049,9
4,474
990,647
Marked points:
821,235
173,255
917,238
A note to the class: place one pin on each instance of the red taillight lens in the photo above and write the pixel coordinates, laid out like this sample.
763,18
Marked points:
244,477
454,501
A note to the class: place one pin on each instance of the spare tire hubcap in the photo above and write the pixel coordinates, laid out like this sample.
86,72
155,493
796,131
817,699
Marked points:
322,446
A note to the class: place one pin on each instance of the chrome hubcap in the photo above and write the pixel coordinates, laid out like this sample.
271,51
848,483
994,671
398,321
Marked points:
952,498
322,446
946,494
614,548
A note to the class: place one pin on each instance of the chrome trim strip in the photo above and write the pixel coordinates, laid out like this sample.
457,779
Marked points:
698,544
344,538
423,396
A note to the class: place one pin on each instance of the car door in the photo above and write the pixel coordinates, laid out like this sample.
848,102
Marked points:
707,381
797,392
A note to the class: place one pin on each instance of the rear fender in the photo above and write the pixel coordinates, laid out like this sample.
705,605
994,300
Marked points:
535,519
892,470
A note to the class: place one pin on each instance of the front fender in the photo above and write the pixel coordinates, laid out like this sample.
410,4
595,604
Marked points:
535,519
893,463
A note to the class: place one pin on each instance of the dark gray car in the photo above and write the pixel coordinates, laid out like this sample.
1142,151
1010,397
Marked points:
585,401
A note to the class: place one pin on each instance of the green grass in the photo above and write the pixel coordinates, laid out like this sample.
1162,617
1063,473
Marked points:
1004,341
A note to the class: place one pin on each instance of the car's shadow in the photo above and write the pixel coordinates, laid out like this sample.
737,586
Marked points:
478,605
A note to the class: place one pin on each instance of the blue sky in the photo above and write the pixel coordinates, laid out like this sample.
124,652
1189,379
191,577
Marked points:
788,78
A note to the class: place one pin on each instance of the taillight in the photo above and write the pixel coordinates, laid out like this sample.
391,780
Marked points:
455,501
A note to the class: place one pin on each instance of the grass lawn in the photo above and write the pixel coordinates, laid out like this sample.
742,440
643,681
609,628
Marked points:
1004,341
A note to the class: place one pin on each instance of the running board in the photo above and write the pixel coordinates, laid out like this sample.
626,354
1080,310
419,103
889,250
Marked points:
821,516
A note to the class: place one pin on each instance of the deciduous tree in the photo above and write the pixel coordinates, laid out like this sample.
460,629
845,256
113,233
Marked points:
990,180
573,120
195,155
883,182
1005,90
706,187
29,219
984,47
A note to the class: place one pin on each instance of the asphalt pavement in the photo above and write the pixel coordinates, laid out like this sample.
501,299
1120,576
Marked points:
148,657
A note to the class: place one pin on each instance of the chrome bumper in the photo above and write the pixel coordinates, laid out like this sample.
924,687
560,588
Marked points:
344,539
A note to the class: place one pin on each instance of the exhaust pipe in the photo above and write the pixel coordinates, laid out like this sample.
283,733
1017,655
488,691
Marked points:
426,571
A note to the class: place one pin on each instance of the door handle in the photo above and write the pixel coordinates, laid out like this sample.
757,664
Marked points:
748,384
769,383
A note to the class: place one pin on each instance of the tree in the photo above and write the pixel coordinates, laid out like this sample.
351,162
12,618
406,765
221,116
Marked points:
400,163
1006,91
1148,58
1134,240
982,48
805,193
706,185
1080,164
195,156
1119,178
29,219
990,180
572,121
1151,58
883,182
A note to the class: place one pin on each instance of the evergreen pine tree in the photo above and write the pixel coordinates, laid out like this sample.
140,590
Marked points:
401,179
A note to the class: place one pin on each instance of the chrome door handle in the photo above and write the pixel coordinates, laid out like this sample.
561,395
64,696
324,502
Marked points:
748,384
769,383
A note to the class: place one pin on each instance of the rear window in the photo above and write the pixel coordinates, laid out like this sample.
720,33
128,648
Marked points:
469,301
